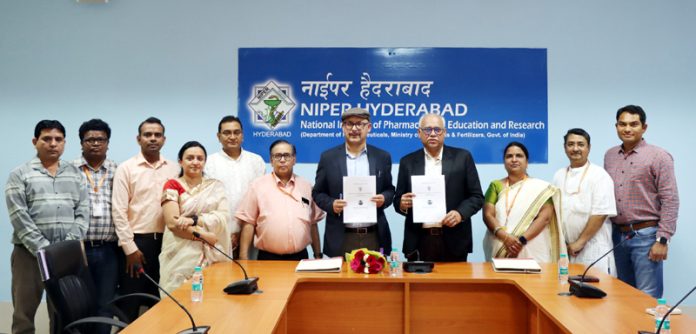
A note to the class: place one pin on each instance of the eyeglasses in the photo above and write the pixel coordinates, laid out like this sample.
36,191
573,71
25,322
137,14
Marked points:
359,125
281,156
96,140
429,130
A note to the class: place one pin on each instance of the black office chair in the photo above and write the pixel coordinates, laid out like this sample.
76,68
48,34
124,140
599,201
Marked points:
70,287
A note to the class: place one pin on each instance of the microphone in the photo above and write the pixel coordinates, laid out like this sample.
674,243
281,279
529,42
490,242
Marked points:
246,286
194,329
417,266
583,290
659,327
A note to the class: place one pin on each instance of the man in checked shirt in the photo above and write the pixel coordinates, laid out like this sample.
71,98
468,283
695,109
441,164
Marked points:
47,203
101,243
647,202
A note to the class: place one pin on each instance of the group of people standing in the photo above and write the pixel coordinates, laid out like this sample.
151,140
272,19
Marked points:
159,215
587,209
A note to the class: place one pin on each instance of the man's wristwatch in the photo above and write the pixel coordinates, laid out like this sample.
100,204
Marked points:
523,240
662,240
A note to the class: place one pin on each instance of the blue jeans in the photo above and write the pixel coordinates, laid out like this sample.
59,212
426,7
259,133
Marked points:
632,263
103,266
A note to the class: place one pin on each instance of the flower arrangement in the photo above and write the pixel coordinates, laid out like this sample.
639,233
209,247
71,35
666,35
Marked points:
366,261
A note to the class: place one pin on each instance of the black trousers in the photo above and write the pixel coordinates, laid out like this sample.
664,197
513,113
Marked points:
301,255
151,246
432,247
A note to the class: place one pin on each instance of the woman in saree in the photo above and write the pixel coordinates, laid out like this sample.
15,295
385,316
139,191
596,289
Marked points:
191,203
521,213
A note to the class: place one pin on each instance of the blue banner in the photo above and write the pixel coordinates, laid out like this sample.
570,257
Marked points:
488,97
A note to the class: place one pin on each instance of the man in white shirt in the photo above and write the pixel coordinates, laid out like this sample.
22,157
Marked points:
235,167
587,199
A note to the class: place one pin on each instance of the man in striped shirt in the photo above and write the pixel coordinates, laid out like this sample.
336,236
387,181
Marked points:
47,203
647,202
101,243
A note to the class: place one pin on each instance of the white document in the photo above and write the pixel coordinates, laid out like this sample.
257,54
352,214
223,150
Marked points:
358,192
331,265
430,203
516,266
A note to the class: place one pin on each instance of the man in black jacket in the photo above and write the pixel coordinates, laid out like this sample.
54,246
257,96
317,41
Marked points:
450,238
353,158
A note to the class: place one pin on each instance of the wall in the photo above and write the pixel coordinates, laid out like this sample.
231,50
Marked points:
177,60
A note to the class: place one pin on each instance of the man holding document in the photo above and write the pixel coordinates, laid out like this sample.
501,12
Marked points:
354,186
438,190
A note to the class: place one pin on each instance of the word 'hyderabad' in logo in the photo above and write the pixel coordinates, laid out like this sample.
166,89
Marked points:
271,105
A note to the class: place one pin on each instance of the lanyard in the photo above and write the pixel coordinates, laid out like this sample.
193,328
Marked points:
565,180
282,189
508,208
94,186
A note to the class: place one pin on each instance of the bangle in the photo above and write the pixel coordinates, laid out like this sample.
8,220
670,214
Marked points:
495,230
195,220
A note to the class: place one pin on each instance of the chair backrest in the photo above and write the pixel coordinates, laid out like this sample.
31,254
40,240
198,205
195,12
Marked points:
67,280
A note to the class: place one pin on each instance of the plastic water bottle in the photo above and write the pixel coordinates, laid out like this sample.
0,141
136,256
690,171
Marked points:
563,269
197,285
394,263
660,311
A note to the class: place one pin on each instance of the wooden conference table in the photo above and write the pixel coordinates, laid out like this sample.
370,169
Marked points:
455,298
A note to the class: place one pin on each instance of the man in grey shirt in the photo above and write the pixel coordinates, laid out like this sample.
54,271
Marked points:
47,203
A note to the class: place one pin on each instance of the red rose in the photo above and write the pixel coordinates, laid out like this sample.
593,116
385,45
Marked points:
357,265
375,264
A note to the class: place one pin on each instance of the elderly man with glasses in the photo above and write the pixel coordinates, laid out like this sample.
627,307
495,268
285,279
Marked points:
353,158
278,211
448,239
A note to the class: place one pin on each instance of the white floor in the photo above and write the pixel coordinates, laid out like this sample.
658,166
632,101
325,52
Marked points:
41,320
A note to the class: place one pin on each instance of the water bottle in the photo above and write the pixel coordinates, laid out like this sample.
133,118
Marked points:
660,311
197,285
563,269
394,263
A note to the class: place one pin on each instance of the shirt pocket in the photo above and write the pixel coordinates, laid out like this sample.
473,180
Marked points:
303,213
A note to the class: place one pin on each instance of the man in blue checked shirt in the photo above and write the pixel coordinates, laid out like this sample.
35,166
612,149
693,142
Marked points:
47,203
101,243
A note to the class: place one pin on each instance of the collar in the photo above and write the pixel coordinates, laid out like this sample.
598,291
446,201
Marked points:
279,182
573,169
36,164
636,149
362,152
224,154
140,159
437,158
82,162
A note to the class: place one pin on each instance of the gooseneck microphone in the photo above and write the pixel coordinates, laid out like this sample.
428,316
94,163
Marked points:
579,288
659,327
246,286
417,266
194,329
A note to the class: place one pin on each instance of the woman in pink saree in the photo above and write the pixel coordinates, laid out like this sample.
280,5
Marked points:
191,203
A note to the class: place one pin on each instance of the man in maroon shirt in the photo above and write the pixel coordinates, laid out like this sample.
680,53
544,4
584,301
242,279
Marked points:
647,202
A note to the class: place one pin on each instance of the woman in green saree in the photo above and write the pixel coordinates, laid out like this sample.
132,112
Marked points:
521,213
